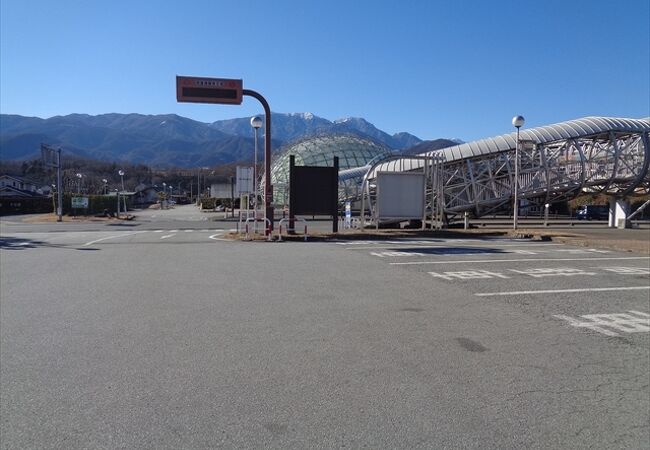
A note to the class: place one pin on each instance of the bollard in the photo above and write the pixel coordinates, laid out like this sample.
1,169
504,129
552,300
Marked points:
246,231
280,234
466,224
546,206
305,233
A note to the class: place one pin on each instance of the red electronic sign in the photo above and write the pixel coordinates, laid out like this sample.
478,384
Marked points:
208,90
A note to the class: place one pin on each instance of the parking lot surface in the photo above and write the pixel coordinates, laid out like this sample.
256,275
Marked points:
170,338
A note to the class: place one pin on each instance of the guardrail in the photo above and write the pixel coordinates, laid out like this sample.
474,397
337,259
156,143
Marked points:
295,219
255,220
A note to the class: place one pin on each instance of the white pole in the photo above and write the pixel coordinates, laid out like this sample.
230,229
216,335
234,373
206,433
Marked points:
515,215
123,196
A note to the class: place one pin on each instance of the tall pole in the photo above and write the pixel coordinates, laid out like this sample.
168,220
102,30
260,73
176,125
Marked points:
268,188
515,215
517,122
255,177
58,186
121,172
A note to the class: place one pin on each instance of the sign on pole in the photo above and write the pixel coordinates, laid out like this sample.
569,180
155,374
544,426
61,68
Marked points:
400,195
245,183
79,202
209,90
49,156
348,214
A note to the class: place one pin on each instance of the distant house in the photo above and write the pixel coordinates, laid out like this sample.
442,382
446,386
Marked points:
20,196
17,182
17,187
145,194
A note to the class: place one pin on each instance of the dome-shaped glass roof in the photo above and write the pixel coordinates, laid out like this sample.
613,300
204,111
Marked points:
352,151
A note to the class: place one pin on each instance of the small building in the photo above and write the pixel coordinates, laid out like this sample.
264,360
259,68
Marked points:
145,194
21,186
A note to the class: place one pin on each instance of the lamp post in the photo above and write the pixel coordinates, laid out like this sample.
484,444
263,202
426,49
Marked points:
164,196
517,122
198,187
105,181
121,173
79,183
256,123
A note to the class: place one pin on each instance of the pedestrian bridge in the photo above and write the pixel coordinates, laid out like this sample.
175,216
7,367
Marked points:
556,162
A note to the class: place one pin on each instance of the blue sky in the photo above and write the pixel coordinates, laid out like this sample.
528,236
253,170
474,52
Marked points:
458,69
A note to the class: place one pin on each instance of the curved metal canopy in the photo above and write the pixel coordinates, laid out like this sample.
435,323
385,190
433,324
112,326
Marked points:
572,129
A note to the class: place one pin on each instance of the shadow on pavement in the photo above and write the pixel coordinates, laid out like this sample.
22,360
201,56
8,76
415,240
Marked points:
11,243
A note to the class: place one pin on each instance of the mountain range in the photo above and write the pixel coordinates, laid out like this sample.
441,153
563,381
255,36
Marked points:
170,140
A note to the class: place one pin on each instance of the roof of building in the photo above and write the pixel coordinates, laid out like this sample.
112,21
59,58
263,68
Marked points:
572,129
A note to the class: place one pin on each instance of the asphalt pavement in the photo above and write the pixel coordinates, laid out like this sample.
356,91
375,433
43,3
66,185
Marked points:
169,335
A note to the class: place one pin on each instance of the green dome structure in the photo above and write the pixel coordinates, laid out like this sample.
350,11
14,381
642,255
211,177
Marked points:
352,151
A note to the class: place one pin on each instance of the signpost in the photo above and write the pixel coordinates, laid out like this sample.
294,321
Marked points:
245,183
208,90
348,214
230,92
79,202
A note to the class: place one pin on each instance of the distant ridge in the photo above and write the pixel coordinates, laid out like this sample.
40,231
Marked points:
170,140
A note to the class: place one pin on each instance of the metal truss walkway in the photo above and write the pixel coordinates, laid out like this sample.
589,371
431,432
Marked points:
557,162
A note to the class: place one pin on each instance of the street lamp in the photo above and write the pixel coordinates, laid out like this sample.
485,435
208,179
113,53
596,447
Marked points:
79,183
517,122
256,123
121,173
105,181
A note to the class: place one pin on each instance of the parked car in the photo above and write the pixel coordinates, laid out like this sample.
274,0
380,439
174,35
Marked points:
591,212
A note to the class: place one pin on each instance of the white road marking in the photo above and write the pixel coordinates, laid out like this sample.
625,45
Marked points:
215,238
443,245
158,231
111,237
562,291
552,272
189,231
468,275
394,254
627,270
630,322
173,231
490,261
167,236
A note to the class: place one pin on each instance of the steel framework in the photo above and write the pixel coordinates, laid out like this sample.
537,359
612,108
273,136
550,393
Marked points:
557,162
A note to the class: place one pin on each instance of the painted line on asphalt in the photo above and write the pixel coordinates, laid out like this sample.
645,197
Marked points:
487,261
167,236
446,246
158,231
563,291
111,237
215,238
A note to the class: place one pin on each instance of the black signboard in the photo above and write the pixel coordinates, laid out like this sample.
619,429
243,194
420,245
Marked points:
314,190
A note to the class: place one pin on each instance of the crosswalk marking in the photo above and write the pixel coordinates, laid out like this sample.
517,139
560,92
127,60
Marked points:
629,322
